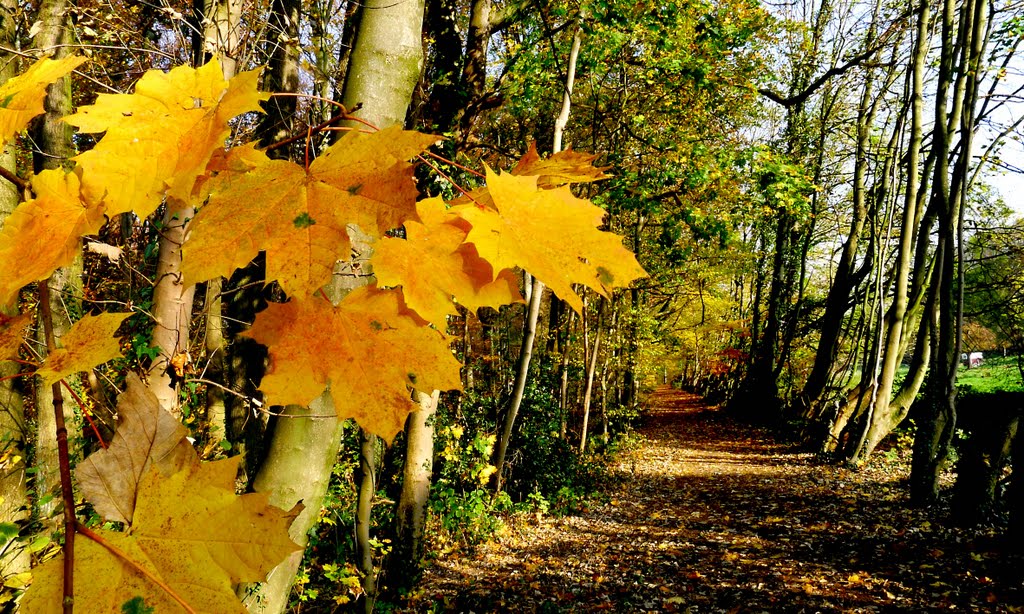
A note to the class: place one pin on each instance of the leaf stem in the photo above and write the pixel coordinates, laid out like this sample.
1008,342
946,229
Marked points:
121,554
86,413
67,492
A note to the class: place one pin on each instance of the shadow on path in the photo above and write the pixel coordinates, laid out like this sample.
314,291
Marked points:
707,515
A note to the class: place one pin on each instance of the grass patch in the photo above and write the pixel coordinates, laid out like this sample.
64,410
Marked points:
996,374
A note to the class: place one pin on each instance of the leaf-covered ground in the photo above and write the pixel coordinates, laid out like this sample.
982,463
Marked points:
710,516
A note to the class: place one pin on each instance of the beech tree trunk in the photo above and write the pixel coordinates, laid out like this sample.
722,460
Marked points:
411,513
54,150
382,71
220,36
591,370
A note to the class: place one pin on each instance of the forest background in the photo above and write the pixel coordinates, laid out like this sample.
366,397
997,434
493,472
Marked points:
807,188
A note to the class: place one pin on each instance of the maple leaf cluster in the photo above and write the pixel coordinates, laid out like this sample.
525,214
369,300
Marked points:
165,143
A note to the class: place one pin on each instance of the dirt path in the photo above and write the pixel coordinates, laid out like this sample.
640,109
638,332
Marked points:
710,516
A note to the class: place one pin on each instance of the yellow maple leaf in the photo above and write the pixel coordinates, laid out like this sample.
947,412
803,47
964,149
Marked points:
160,138
21,98
12,333
90,342
147,435
432,265
45,233
550,233
191,531
300,216
370,349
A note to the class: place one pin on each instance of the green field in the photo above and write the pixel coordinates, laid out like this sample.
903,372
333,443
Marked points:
996,374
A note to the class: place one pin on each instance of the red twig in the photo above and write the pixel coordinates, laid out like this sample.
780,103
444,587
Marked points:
46,315
441,158
450,180
86,413
96,537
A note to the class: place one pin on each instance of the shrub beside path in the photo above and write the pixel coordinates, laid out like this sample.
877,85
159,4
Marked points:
707,515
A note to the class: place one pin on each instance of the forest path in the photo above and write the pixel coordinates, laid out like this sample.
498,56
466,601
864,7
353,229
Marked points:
707,515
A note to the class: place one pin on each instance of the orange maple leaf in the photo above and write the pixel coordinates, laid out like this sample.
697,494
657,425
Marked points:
432,264
370,349
21,98
90,342
300,216
550,233
160,138
44,233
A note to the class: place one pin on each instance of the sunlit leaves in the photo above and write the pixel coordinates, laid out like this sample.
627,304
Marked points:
147,436
370,348
12,333
191,531
432,264
90,342
300,216
159,139
45,233
21,98
550,233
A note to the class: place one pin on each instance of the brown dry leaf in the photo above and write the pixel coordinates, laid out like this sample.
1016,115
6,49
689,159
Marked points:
550,233
370,349
160,138
58,215
561,168
12,334
432,265
21,98
192,531
90,342
300,216
147,436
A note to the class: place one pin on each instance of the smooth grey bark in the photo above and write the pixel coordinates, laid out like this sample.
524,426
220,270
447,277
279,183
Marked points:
303,448
411,512
382,71
53,149
282,74
591,370
522,370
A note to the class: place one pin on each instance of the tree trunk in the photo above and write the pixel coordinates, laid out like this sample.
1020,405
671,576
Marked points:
591,369
54,149
522,370
411,515
981,466
382,71
366,479
220,20
935,433
537,288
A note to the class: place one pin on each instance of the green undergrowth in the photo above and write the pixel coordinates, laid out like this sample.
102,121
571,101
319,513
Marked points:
545,476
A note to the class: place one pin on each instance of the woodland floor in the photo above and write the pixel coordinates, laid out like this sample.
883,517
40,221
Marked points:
707,515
